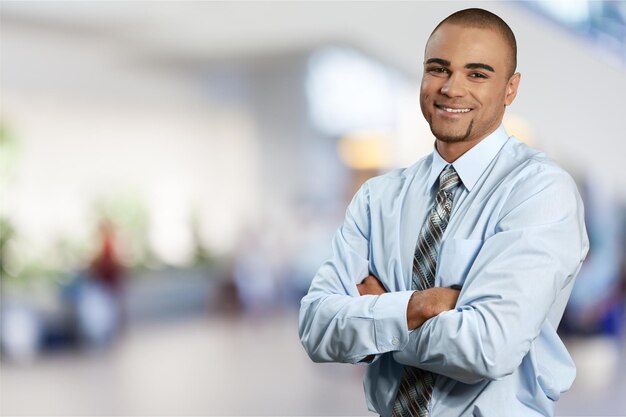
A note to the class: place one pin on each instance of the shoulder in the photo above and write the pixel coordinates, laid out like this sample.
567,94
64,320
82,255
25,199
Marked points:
531,174
397,179
532,168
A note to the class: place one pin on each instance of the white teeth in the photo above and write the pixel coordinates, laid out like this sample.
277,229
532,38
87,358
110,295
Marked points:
455,110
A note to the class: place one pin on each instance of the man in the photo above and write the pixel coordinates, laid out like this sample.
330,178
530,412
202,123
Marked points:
449,278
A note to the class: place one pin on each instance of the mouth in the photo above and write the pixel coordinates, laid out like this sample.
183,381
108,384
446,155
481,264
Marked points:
453,110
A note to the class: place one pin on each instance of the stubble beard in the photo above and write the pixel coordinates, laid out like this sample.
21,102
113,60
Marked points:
446,138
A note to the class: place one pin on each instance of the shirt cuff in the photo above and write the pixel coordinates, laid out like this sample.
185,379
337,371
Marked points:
390,322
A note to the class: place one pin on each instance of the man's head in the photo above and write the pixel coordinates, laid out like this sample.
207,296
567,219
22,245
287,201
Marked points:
483,19
469,76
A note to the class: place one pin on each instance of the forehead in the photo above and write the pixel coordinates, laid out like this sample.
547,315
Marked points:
462,45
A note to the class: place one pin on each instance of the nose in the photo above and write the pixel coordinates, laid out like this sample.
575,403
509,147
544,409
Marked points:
453,87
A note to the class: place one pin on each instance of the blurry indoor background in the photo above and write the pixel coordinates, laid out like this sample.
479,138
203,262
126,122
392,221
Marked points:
172,173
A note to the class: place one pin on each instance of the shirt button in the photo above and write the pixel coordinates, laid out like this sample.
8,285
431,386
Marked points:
395,341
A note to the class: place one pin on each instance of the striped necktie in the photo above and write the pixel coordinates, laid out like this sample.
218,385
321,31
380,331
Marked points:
416,385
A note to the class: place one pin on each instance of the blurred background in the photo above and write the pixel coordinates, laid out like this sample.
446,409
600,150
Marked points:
172,174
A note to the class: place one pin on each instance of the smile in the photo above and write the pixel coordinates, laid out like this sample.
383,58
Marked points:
452,110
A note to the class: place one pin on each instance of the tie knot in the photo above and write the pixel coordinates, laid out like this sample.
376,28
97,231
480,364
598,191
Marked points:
448,179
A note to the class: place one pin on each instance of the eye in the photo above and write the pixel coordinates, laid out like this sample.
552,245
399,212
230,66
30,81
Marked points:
437,70
477,75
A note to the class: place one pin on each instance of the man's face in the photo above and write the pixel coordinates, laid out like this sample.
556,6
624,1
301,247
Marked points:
466,83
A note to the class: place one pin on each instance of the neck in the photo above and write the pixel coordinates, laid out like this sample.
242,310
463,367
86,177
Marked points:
451,151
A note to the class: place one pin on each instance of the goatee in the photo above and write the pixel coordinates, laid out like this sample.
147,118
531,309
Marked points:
453,139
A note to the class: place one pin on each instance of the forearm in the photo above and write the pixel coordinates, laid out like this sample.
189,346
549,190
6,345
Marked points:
456,344
378,320
344,328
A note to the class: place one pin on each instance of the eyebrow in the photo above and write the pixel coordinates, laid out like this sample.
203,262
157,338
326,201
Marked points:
478,65
472,65
439,61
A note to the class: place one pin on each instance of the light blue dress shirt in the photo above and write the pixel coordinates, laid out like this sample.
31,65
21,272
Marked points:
515,242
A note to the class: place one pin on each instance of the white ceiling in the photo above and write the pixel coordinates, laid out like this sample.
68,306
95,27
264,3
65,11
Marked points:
115,49
193,32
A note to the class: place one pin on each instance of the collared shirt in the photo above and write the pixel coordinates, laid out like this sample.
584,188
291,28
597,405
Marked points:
515,241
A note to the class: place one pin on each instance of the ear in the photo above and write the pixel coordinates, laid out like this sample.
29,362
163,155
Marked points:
511,88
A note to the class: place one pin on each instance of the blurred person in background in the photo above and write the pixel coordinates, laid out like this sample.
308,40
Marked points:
463,322
255,272
99,301
106,268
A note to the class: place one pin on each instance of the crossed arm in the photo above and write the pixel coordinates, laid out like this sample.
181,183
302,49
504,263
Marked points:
523,268
342,322
422,305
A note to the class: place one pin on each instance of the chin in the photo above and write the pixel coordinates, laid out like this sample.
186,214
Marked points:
451,139
452,135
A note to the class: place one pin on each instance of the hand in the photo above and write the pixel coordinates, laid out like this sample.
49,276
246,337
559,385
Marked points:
428,303
371,286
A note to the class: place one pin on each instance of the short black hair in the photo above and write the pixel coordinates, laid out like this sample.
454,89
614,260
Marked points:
484,19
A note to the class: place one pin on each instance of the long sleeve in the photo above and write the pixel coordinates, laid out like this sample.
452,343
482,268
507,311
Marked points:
335,323
530,260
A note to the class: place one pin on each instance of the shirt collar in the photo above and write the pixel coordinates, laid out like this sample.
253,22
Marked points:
472,163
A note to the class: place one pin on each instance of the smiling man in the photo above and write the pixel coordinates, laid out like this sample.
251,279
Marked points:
448,278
